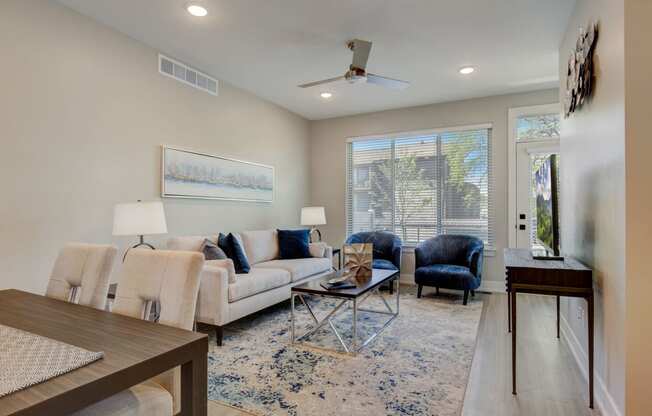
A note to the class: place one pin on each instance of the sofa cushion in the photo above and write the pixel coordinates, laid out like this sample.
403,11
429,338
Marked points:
192,243
298,268
449,276
383,264
260,245
257,281
294,244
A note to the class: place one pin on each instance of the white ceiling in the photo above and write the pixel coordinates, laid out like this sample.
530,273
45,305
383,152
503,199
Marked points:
268,47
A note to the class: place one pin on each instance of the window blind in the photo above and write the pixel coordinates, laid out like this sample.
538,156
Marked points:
420,186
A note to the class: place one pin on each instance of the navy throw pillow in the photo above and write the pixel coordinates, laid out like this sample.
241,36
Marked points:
240,260
233,250
294,244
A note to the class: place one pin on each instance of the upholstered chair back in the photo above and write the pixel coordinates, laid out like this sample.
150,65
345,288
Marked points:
460,250
386,246
170,278
81,274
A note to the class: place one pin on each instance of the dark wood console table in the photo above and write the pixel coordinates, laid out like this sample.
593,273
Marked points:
545,277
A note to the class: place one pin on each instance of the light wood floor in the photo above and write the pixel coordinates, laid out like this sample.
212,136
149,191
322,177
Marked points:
549,382
548,379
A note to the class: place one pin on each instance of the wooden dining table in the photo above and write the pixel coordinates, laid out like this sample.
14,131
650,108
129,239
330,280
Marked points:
134,351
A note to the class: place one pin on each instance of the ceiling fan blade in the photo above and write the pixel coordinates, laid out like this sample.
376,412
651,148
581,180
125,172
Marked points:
396,84
361,50
325,81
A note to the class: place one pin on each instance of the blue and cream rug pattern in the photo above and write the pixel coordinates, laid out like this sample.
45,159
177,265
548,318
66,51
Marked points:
418,366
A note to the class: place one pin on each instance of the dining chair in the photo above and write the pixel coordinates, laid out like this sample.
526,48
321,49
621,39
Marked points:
81,274
170,278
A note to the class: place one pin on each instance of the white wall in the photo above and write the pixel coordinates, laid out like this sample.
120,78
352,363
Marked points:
83,112
593,196
328,161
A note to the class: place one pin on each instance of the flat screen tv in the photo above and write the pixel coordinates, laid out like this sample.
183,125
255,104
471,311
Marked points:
547,207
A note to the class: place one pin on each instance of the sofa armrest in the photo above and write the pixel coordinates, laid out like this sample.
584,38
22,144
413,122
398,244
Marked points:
213,299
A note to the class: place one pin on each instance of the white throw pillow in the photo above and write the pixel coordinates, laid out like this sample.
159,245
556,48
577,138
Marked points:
317,249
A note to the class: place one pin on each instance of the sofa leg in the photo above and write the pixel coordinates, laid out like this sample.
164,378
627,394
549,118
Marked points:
419,288
219,334
437,290
466,297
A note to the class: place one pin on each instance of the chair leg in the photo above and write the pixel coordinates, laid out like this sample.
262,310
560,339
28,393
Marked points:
437,290
473,293
219,334
419,288
391,287
466,297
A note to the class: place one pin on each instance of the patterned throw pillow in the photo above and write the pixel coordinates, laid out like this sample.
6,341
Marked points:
212,251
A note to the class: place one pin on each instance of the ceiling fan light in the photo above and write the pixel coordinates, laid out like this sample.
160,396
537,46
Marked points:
196,10
467,70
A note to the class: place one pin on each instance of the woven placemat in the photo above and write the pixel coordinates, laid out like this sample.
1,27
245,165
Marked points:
27,359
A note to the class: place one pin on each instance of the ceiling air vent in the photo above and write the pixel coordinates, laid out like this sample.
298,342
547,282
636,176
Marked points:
183,73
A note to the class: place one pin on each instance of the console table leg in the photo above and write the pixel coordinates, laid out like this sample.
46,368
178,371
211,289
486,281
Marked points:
509,312
513,302
557,316
589,302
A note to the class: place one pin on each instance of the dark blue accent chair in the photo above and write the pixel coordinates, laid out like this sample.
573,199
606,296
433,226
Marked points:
450,262
387,248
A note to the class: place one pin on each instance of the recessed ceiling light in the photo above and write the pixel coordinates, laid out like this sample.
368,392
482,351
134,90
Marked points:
326,95
467,70
196,10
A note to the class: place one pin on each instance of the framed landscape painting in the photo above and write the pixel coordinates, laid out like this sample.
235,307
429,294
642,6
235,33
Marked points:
189,174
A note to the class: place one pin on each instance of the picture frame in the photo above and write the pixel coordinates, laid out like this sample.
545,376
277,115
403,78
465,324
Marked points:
195,175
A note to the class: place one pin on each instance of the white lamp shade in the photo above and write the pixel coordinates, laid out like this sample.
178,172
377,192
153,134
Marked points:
139,218
313,216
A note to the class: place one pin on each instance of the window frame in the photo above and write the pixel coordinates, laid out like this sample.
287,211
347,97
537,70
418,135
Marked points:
490,245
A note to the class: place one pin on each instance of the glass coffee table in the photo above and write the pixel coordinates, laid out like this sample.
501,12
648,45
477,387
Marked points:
354,297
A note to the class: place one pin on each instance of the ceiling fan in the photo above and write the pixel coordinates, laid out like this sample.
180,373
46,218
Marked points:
357,71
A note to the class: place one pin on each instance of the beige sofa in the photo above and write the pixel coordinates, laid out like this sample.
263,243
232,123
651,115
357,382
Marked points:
225,296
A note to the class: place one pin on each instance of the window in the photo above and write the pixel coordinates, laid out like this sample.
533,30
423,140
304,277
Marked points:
420,186
533,127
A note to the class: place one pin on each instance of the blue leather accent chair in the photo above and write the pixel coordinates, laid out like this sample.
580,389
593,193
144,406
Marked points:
450,262
387,248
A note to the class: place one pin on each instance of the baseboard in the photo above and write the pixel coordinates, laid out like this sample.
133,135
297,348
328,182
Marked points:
603,400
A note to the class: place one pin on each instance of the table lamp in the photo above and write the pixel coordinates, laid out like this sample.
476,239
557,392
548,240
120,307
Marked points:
313,216
140,219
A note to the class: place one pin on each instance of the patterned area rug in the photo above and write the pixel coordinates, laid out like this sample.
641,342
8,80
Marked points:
418,366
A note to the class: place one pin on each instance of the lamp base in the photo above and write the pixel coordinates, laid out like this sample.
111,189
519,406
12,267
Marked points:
141,242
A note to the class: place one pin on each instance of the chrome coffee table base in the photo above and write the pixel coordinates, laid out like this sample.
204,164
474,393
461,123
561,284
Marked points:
353,346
